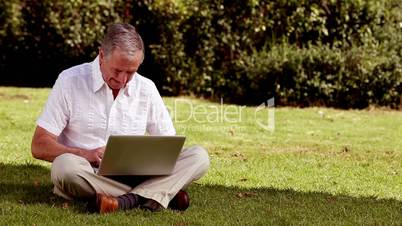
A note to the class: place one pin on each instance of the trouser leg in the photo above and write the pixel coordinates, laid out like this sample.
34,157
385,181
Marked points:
73,177
192,164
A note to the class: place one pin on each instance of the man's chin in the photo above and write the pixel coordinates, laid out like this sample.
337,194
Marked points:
116,87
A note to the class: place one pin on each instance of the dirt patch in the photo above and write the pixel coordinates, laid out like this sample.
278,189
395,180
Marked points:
14,97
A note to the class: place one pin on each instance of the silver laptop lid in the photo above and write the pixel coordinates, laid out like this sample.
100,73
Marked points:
141,155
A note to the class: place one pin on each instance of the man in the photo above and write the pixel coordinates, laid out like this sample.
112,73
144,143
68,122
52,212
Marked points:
92,101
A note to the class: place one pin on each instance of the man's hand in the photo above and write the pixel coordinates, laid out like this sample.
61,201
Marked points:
95,156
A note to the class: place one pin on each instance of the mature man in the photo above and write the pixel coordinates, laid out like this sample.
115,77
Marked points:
92,101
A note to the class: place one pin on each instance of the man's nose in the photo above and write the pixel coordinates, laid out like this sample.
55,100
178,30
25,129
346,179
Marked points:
122,77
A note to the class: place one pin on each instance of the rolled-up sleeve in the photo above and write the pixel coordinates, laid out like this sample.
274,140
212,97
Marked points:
55,115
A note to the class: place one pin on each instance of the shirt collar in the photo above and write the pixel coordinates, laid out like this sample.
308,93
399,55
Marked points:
98,81
130,87
97,78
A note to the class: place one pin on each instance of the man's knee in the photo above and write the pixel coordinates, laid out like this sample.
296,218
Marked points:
66,169
200,157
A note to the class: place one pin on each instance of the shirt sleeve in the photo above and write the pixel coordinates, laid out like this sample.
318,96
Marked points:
159,121
55,115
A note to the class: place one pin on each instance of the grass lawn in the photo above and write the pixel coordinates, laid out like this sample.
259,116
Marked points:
319,166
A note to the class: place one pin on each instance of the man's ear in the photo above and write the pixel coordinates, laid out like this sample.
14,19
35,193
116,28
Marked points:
101,55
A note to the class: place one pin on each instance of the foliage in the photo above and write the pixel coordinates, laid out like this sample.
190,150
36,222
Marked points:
50,35
336,53
320,75
222,48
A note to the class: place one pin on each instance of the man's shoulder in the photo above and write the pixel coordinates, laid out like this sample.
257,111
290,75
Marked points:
146,83
79,72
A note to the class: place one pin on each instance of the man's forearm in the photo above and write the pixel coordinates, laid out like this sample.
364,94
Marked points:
47,149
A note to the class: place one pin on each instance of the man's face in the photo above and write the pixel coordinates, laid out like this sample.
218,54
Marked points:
118,68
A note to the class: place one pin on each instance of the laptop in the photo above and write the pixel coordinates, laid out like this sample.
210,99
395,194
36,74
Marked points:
140,155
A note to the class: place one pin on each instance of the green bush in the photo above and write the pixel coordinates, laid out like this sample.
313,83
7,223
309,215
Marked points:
303,52
41,38
336,53
320,75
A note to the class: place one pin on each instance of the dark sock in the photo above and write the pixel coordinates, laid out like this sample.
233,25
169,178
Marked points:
128,201
141,200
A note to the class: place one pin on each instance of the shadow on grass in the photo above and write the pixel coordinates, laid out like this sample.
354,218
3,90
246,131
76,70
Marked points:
25,183
30,184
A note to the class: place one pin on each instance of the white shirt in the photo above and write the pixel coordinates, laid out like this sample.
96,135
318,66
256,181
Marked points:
81,111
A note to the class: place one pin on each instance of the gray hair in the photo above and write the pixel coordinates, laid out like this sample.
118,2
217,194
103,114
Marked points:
123,36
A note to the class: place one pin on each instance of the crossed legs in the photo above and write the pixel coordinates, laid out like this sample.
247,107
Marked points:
73,177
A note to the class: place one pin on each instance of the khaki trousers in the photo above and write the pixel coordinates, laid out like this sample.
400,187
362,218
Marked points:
74,177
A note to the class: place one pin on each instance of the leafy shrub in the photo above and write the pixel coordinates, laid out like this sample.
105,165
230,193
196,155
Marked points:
320,75
40,38
304,52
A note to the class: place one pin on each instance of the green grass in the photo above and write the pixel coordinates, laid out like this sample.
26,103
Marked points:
319,167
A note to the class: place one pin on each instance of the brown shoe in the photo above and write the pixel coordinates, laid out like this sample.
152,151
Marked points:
180,202
106,204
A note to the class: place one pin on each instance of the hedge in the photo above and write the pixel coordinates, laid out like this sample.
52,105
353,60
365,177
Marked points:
307,52
38,39
320,75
